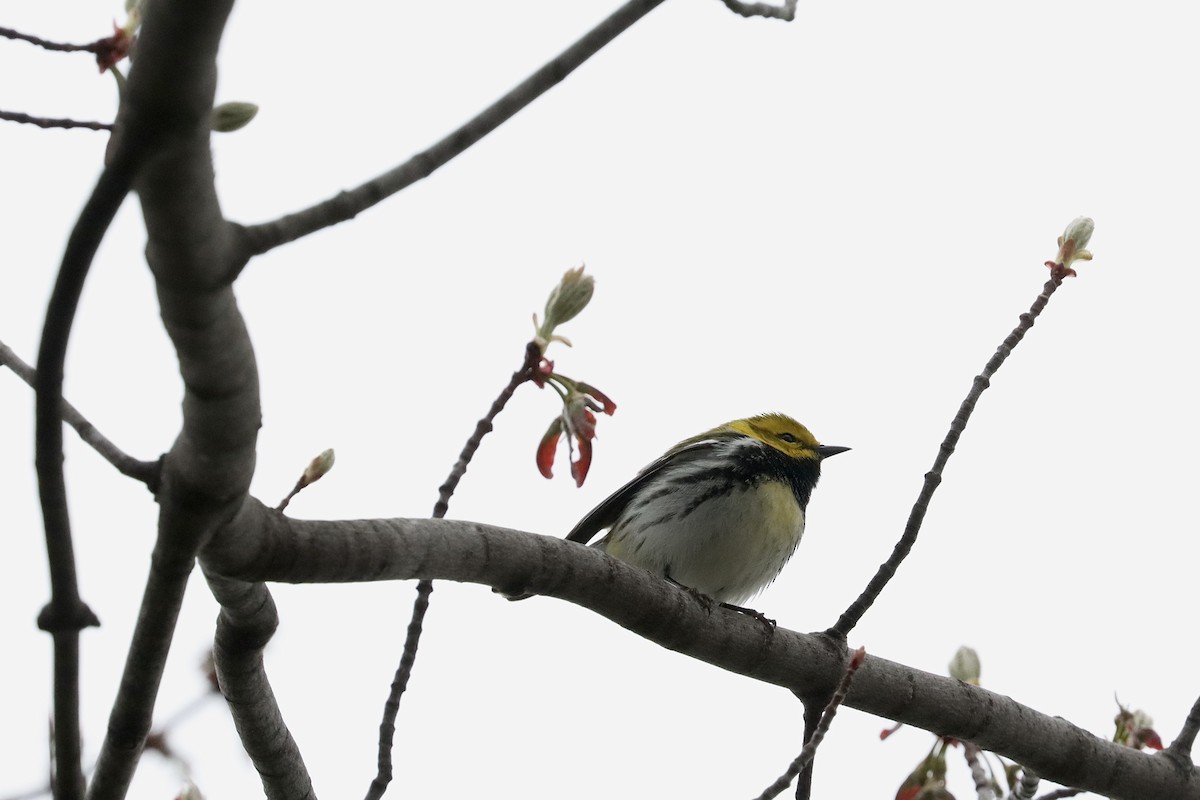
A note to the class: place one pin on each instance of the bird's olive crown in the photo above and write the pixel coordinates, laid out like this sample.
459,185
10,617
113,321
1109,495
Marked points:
781,432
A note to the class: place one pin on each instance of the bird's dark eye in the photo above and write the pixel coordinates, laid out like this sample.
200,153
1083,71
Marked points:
790,438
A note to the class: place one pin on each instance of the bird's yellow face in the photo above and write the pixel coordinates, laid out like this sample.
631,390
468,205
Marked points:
781,432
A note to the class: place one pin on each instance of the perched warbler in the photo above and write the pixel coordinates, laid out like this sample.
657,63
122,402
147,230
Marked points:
721,512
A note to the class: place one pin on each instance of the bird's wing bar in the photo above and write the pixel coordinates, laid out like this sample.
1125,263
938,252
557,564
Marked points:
605,514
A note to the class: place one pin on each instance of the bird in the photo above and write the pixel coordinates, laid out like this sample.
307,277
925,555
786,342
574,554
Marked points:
720,513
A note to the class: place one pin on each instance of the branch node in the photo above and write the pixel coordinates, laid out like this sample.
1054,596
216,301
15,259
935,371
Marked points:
67,617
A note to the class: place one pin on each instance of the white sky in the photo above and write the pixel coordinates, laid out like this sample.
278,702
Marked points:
840,218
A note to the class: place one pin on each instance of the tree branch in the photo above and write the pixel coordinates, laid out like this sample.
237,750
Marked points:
260,544
387,727
346,205
533,354
1181,748
9,33
785,12
53,122
247,622
933,478
67,614
983,785
127,465
809,750
166,112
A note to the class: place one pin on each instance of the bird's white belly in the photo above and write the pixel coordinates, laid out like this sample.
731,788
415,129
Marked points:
730,548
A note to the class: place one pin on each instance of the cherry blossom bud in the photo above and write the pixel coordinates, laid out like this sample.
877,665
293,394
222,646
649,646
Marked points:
317,468
965,666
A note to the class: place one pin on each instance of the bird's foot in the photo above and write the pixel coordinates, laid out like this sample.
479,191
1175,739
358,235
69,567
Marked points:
750,612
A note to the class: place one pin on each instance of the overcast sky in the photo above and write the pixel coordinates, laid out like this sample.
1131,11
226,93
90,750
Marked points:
839,218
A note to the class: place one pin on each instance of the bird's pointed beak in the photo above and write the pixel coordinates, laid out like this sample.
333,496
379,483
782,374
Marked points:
827,450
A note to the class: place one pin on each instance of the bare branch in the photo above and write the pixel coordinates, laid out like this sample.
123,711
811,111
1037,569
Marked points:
933,478
67,614
144,471
247,622
91,47
983,786
387,727
346,205
53,122
533,354
810,747
785,12
191,250
261,545
1181,749
1027,787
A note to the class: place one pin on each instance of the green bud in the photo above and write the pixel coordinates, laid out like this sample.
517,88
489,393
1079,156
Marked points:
965,666
229,117
1073,243
317,468
571,296
1080,231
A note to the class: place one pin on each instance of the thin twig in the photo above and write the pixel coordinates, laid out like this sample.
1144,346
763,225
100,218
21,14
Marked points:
810,747
346,205
983,786
387,727
144,471
1181,748
91,47
54,122
854,613
785,12
66,614
533,354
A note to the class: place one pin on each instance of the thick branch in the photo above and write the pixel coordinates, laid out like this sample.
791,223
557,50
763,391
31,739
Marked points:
144,471
263,545
166,110
67,614
346,205
247,623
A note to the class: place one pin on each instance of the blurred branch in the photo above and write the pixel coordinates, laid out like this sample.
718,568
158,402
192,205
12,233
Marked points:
261,545
1027,787
785,12
52,122
246,624
983,786
346,205
66,614
91,47
933,478
1059,794
144,471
